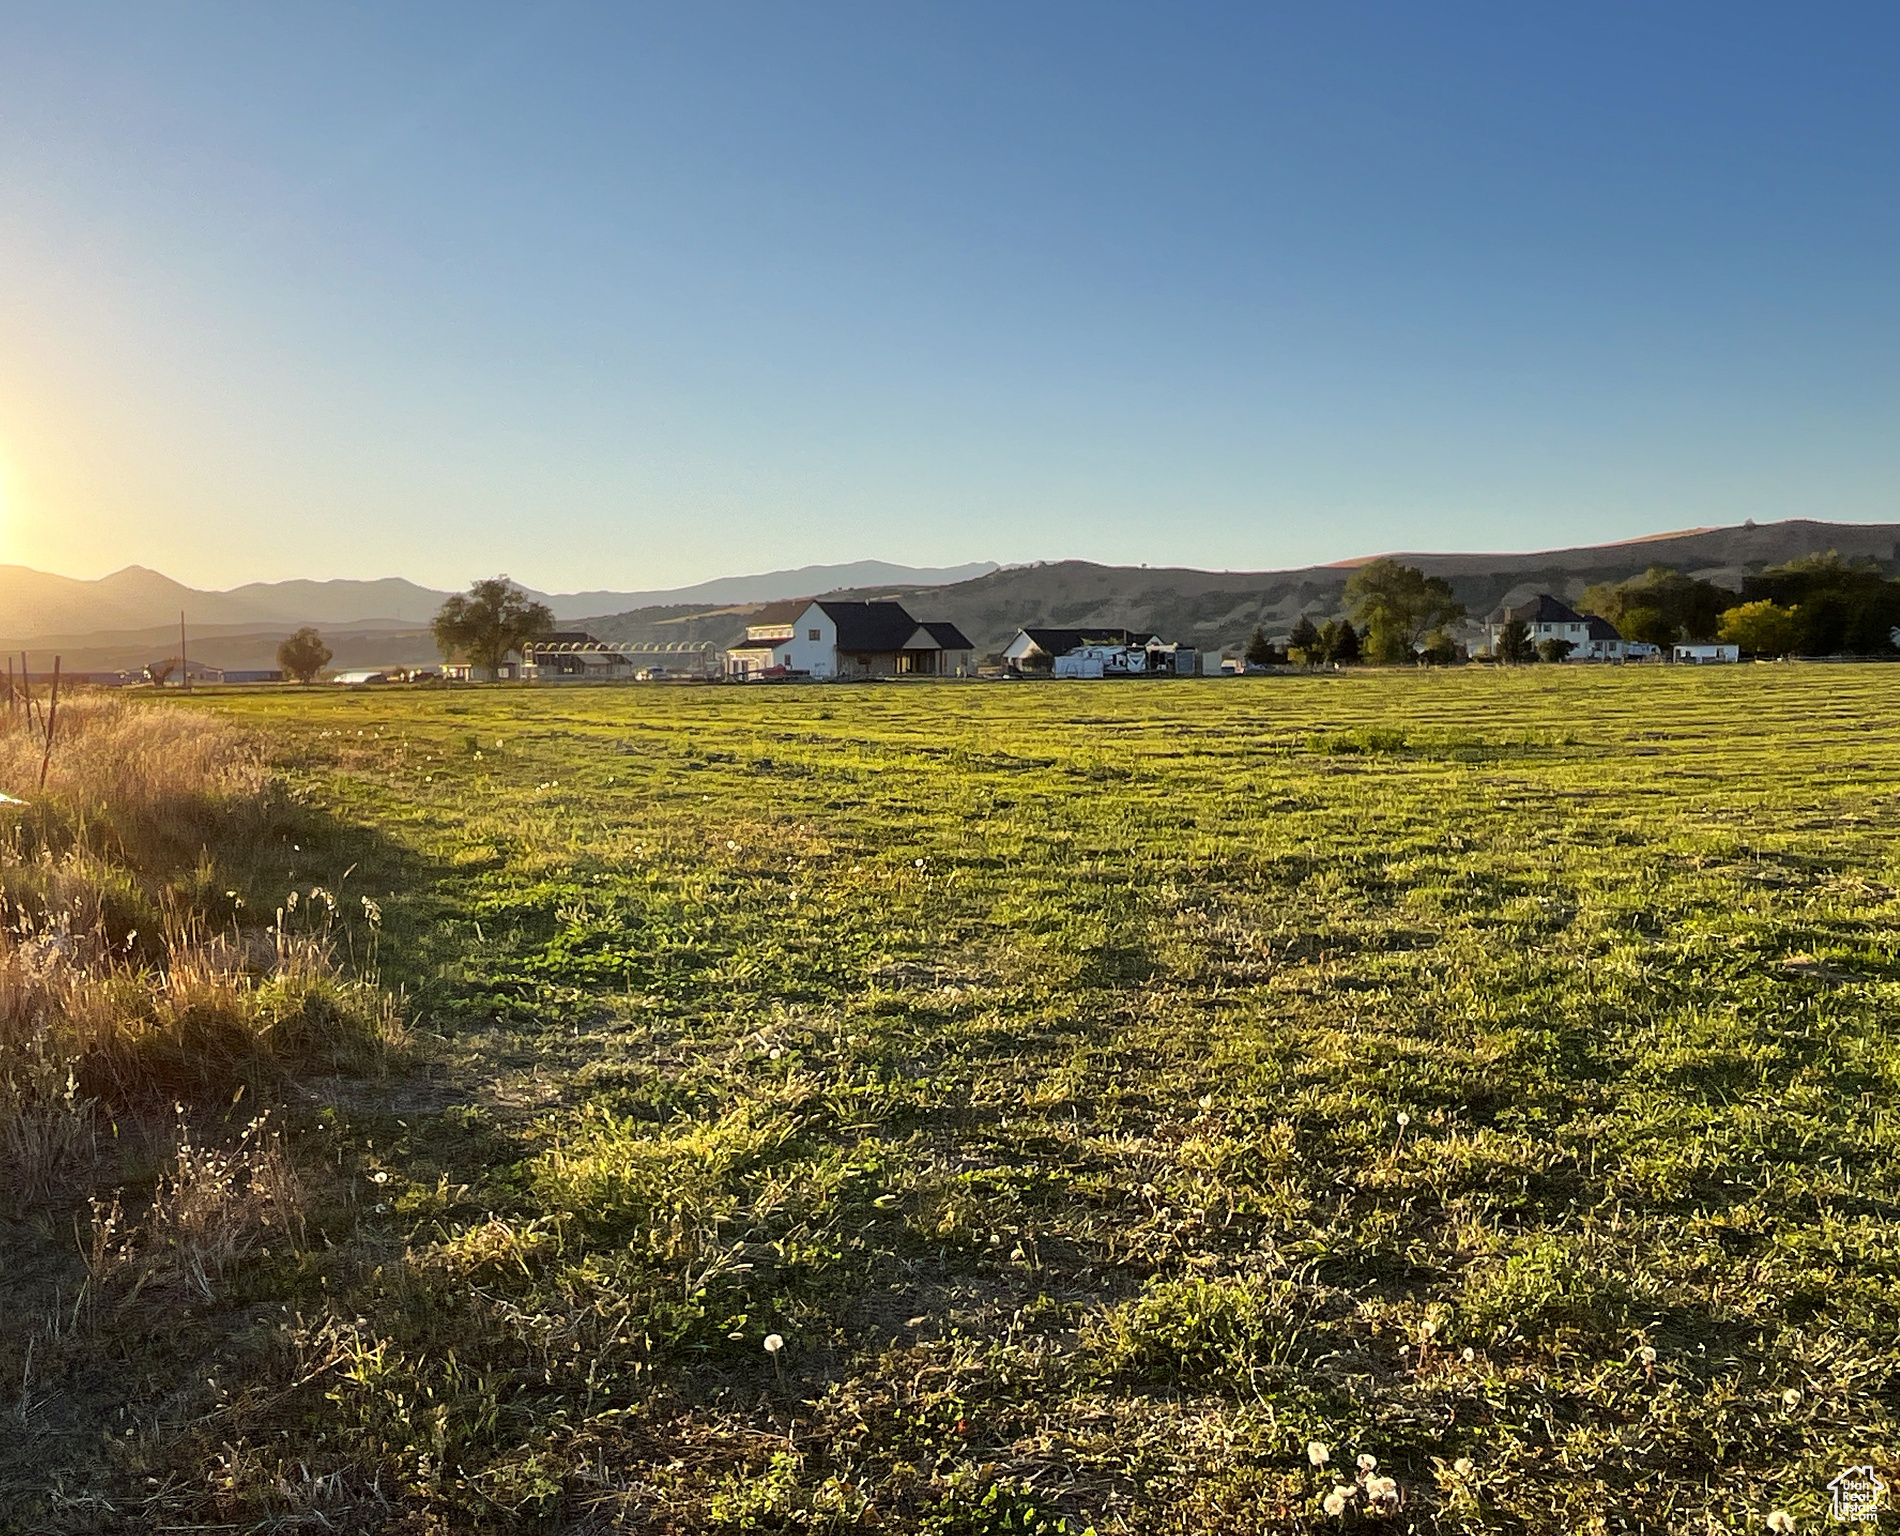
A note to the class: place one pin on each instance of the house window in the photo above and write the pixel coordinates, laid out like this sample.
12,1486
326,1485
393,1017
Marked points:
811,634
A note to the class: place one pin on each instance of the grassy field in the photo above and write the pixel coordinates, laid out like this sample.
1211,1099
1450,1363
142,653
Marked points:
1110,1100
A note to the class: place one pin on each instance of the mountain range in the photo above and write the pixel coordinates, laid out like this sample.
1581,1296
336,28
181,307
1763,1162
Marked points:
34,604
131,617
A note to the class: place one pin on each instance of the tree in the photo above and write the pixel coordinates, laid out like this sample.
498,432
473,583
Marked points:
1260,651
1399,605
1339,642
495,617
1660,606
1838,605
157,672
1554,650
1760,628
1440,649
1650,625
1304,647
303,655
1514,643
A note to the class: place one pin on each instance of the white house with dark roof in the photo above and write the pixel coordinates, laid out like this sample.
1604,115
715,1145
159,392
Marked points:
1547,618
820,638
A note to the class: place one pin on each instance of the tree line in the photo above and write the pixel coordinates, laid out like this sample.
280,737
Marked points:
1817,605
1395,614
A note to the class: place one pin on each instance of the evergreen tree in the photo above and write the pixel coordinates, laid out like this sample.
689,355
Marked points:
1304,647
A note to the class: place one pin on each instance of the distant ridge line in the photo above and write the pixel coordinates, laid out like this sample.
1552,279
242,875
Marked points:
1354,562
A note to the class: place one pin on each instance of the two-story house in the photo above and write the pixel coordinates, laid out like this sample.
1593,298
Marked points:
827,639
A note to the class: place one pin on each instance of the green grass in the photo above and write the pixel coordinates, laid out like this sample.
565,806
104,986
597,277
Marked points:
1103,1090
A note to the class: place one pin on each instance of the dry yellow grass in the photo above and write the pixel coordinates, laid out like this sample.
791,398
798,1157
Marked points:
117,994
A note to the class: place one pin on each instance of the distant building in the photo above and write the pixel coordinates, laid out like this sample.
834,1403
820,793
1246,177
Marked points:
1035,650
193,671
1546,617
1591,637
1098,653
1601,642
572,655
355,677
1704,655
844,640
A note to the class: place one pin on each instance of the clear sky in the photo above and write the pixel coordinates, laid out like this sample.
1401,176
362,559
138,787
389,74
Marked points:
632,296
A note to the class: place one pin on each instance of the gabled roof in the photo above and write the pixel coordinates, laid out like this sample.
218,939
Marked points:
947,635
1544,609
773,615
870,626
1601,628
1059,642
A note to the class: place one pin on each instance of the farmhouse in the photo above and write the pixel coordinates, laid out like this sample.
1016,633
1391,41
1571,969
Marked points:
822,638
1548,618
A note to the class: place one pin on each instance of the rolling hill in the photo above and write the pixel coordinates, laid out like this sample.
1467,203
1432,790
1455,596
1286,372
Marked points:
1221,608
130,617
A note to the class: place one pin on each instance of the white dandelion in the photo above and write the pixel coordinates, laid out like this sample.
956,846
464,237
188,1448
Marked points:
1317,1453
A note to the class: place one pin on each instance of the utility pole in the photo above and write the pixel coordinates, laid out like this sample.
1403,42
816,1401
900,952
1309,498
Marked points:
184,667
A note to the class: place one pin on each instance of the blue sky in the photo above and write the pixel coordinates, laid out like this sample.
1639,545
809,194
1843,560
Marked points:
605,295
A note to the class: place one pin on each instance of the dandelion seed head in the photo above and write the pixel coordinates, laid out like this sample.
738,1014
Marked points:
1367,1461
1791,1397
1463,1466
1317,1453
1404,1119
1470,1354
1781,1522
1334,1503
773,1343
1647,1354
